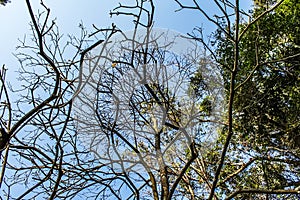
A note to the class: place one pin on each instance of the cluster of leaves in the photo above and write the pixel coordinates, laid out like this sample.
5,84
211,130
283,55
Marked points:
267,100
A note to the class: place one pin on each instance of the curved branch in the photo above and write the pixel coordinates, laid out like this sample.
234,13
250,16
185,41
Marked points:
54,93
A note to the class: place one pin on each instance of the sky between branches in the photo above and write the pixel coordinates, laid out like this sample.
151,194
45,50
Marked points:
14,21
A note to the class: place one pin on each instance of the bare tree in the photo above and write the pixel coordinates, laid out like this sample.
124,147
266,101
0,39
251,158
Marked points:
136,131
139,111
141,114
41,157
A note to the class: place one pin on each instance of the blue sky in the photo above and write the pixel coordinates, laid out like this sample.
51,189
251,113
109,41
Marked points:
14,19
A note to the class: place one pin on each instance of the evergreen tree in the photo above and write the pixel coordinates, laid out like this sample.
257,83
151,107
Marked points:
267,101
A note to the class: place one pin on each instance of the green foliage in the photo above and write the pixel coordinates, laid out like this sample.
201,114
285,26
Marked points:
206,106
197,85
198,89
267,100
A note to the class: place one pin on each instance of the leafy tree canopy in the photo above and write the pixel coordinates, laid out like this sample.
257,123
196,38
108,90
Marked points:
267,101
